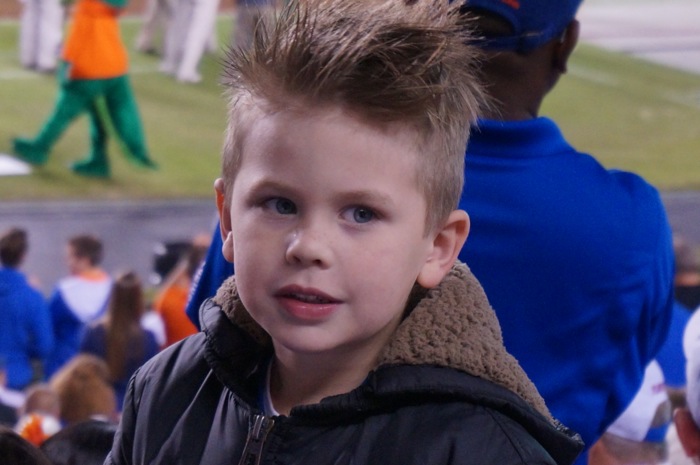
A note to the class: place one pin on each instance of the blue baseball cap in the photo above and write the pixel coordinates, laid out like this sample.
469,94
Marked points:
534,22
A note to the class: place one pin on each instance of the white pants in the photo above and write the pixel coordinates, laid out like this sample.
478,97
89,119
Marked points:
158,14
41,32
188,38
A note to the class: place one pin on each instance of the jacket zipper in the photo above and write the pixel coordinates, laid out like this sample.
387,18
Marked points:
252,453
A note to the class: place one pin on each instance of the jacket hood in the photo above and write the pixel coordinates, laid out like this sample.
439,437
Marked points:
451,325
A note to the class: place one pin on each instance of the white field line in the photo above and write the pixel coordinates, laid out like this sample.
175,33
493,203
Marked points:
17,74
687,99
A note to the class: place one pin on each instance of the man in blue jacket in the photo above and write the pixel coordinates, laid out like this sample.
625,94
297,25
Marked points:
25,326
577,260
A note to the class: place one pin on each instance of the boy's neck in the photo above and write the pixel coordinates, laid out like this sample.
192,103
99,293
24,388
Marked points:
305,380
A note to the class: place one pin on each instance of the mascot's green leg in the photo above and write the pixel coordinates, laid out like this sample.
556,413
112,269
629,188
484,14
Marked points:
72,100
29,151
124,115
96,164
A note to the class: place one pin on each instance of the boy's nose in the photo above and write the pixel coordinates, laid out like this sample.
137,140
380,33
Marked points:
309,246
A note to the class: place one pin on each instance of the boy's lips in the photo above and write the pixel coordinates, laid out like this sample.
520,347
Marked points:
306,303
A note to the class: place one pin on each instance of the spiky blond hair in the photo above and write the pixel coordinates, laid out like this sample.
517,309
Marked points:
386,62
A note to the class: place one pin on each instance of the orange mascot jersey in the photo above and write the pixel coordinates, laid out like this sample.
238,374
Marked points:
93,48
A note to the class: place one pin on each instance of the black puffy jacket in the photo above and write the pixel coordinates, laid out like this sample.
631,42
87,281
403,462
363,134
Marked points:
450,400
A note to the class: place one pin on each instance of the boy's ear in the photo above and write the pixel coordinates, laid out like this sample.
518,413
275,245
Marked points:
688,432
447,243
224,220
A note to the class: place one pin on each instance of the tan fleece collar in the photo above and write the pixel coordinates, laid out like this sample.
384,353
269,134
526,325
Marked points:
452,325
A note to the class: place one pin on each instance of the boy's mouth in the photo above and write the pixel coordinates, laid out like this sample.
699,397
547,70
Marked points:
306,304
310,296
312,299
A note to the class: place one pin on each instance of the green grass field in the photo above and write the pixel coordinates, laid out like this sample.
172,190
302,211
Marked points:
633,115
630,114
183,124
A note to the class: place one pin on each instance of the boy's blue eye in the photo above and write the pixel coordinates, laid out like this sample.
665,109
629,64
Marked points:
362,215
285,207
282,206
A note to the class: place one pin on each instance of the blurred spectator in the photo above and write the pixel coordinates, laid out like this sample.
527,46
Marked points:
576,259
119,337
10,400
171,300
84,443
687,279
157,17
208,278
637,437
41,32
8,415
188,36
153,322
85,391
687,419
15,450
40,414
79,298
166,255
671,357
25,327
691,336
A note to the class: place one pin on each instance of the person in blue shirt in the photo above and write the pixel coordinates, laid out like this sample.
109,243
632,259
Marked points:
207,280
25,327
671,356
576,259
77,299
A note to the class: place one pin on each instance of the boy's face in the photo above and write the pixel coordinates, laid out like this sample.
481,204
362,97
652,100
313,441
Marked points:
326,228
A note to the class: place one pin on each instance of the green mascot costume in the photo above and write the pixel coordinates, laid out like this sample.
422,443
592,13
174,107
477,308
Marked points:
93,79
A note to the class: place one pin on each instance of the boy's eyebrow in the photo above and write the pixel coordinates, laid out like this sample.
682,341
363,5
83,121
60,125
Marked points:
359,196
372,197
266,184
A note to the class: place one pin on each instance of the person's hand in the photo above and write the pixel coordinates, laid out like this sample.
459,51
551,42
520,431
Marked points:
688,433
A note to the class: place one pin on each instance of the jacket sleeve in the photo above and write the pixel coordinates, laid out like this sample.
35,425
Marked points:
123,445
212,273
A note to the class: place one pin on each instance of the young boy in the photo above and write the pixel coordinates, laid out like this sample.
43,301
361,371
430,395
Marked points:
348,335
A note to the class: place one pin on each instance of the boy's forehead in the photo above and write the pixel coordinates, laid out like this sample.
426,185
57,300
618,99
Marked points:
317,120
251,107
270,129
300,110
